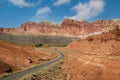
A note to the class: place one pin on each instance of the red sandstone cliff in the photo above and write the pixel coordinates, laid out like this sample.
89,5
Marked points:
78,28
67,27
105,43
32,28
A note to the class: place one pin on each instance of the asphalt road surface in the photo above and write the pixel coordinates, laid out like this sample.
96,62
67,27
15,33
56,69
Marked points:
19,75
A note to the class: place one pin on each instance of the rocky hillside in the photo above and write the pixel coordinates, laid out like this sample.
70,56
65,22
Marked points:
73,27
106,43
35,40
32,28
67,27
15,57
95,58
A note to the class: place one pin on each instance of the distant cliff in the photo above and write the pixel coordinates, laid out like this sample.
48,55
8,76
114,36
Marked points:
77,28
67,27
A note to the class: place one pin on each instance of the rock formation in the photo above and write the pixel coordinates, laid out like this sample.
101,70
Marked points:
77,28
105,43
95,57
67,27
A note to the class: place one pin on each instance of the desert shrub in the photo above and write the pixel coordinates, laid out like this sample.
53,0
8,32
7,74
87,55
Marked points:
38,45
90,39
117,30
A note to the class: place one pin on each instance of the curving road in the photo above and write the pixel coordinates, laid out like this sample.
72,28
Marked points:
19,75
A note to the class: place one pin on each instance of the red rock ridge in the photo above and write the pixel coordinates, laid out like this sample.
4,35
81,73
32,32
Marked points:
68,27
106,43
77,28
32,28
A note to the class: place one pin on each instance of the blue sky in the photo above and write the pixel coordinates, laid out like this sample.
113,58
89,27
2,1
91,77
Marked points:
13,13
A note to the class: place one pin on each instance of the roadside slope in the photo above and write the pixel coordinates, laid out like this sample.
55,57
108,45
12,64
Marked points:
19,75
16,57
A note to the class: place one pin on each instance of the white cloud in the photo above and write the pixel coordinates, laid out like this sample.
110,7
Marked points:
41,14
23,3
85,11
60,2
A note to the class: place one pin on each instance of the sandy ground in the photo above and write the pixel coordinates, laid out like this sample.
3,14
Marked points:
79,65
94,58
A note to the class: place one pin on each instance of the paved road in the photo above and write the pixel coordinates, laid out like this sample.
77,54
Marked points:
19,75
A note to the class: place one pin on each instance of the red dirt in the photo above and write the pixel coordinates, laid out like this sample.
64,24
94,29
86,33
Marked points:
93,58
15,57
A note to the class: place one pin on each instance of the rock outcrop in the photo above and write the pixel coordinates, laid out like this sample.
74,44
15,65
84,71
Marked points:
106,43
32,28
67,27
77,28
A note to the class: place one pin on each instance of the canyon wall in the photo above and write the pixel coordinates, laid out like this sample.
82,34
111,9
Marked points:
77,28
67,27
